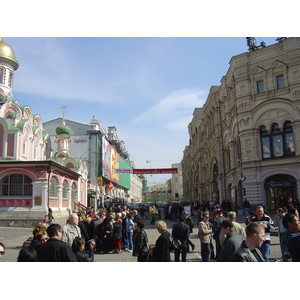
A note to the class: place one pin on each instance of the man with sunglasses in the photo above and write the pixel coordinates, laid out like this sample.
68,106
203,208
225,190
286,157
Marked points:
55,250
2,249
204,233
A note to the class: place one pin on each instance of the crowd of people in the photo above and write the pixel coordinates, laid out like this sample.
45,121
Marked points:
117,229
84,234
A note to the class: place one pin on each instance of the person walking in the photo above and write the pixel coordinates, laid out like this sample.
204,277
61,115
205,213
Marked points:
267,222
153,213
189,221
129,233
117,235
246,207
204,233
218,219
140,242
160,251
180,234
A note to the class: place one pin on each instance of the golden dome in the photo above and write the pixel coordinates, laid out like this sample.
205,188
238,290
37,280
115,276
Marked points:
7,53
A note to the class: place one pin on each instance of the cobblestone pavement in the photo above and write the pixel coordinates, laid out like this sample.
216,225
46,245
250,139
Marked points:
14,237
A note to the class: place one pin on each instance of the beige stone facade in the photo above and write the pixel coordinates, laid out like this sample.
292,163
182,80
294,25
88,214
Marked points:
245,140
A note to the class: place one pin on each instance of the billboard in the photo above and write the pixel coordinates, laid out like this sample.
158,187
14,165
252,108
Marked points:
78,146
110,161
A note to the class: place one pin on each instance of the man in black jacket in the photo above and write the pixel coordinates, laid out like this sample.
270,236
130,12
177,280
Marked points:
189,221
55,250
249,250
180,234
232,242
218,219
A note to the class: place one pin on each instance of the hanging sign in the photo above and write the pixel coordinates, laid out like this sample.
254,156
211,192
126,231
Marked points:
147,171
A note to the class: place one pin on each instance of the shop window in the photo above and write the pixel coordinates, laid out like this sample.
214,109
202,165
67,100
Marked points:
265,142
277,143
289,139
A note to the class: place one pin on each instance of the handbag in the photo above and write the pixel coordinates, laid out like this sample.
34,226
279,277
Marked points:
145,250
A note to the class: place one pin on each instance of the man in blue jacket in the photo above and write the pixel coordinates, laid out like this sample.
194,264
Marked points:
291,223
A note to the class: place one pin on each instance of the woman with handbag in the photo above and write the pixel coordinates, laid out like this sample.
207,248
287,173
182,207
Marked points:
140,242
160,252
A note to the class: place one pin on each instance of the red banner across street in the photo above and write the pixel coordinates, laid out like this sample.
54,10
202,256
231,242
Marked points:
147,171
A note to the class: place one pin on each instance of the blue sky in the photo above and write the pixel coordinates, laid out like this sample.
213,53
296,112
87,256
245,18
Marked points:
146,87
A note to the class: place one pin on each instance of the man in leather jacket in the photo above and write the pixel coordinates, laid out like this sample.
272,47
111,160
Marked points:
180,234
55,250
249,252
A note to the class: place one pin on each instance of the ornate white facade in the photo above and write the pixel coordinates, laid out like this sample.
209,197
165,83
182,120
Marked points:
245,140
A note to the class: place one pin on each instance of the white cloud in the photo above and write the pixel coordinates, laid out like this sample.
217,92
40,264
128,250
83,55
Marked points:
175,110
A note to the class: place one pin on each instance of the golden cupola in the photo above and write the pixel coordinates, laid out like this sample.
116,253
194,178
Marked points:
7,54
8,64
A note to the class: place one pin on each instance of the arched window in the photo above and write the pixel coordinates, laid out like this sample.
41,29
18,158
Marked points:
16,185
10,79
2,75
265,142
65,190
53,192
289,145
277,143
74,192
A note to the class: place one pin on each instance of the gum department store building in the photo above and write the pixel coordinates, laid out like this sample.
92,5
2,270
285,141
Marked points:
245,140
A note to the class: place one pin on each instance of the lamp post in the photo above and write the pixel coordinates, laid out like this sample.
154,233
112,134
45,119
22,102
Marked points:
149,162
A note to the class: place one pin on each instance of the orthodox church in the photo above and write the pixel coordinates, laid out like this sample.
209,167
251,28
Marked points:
33,180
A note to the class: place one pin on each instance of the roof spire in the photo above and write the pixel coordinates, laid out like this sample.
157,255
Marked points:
63,114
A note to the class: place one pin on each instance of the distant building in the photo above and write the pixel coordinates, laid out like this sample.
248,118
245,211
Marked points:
244,141
177,184
159,192
102,151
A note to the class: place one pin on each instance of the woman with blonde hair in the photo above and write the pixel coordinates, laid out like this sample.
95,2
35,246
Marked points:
31,241
160,252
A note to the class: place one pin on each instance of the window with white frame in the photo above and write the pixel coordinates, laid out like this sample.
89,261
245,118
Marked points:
16,185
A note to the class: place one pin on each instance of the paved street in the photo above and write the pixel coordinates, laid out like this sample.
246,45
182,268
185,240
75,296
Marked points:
13,239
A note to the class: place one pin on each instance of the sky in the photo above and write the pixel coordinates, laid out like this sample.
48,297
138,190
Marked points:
147,87
141,66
